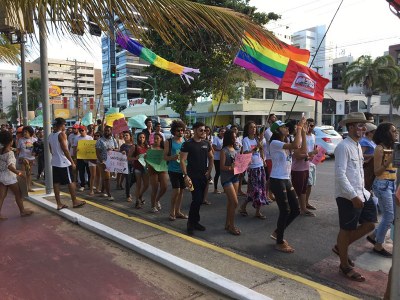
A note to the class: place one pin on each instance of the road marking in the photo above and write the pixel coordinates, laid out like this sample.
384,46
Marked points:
326,293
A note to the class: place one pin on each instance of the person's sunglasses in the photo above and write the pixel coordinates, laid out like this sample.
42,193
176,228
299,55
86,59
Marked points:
179,130
311,125
81,130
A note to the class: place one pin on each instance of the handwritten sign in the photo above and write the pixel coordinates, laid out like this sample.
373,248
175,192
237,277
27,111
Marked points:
86,149
110,118
242,162
320,156
117,162
119,126
155,158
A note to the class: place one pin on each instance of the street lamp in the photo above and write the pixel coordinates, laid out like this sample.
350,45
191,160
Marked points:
139,78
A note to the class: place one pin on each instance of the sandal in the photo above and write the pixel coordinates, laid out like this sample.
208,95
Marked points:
129,199
308,214
138,205
336,251
243,212
171,218
260,216
206,202
26,213
233,230
285,248
62,207
309,206
351,274
182,216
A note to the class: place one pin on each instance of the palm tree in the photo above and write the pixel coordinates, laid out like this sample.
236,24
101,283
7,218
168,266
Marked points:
370,73
8,53
34,93
172,19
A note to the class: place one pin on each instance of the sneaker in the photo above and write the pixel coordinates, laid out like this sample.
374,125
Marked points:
104,195
154,210
199,227
158,205
210,181
110,198
81,189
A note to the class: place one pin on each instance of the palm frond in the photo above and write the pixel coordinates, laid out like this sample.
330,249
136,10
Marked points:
9,54
172,19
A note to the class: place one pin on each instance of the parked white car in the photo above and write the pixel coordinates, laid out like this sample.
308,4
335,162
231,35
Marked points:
328,138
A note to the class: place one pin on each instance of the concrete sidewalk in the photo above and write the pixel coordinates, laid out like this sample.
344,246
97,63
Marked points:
227,272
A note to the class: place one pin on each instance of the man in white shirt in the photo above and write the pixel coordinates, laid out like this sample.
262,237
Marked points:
82,164
311,150
354,202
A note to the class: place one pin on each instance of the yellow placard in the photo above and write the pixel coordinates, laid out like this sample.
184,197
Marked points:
54,91
86,149
61,113
112,117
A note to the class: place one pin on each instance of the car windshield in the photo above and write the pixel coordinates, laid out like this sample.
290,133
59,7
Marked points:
166,122
330,132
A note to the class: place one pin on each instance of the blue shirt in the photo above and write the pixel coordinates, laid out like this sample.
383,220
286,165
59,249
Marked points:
173,165
370,145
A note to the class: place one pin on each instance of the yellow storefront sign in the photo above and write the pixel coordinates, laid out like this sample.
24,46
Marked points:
61,113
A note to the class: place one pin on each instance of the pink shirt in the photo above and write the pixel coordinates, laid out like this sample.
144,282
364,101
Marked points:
300,164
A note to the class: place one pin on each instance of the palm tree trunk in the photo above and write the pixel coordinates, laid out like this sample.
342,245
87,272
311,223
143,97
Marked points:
390,109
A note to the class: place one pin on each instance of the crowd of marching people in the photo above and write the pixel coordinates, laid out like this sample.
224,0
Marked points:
190,155
281,169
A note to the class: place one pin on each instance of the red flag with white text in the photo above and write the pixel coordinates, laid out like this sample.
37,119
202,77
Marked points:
302,81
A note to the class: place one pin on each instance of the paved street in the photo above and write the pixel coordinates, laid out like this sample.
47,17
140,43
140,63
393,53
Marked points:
312,238
46,257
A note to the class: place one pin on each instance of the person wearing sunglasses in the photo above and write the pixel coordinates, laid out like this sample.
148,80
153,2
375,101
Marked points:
82,164
196,174
356,208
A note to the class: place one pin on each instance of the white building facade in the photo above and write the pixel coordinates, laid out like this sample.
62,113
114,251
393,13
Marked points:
8,89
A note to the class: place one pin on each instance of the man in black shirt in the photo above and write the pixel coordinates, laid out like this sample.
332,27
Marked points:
196,151
147,131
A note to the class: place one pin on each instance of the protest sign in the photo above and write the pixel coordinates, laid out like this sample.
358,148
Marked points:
242,162
155,158
320,156
112,117
141,160
117,162
119,126
86,149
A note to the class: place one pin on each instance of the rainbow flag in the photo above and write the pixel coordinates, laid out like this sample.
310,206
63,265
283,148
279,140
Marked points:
139,50
268,61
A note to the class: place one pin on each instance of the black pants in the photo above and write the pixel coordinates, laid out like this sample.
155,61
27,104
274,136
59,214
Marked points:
199,185
217,173
40,167
83,167
130,179
288,204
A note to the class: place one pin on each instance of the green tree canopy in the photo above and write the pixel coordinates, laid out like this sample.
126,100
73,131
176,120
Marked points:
209,53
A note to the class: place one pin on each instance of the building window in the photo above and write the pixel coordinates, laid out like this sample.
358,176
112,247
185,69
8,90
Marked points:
269,94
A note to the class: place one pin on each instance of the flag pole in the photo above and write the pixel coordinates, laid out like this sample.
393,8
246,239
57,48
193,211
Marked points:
315,55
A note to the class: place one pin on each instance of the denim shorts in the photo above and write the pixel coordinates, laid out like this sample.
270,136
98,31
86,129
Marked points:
232,180
350,217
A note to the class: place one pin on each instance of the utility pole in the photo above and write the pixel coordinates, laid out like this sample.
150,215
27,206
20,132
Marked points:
76,91
316,102
111,63
45,98
23,81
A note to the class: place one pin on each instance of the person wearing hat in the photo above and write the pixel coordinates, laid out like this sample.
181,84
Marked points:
368,147
82,164
280,181
62,164
357,210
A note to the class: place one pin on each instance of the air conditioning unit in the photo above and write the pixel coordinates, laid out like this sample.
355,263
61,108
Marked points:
9,21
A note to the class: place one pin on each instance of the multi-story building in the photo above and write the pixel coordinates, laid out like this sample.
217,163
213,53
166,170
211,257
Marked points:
128,77
74,78
310,39
8,89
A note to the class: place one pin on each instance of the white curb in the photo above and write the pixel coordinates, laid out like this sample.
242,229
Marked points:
188,269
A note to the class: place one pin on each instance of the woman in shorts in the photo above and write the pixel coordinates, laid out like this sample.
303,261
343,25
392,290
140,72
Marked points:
142,176
230,181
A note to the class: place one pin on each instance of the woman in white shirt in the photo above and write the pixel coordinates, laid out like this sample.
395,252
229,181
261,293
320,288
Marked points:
256,186
25,153
280,183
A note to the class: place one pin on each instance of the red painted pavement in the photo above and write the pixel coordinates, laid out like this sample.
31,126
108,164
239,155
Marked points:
40,259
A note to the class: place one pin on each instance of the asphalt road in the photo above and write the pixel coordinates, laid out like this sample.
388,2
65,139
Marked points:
312,237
